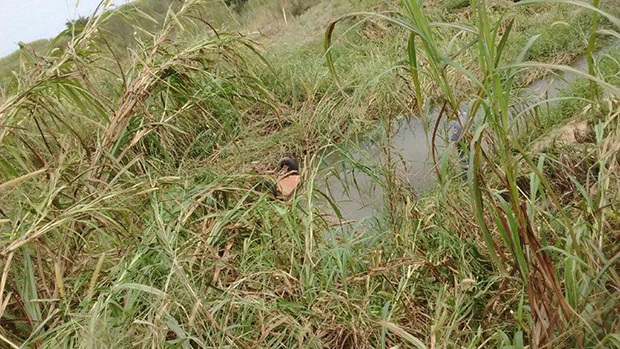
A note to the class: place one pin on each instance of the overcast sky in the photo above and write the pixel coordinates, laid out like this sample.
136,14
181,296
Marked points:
29,20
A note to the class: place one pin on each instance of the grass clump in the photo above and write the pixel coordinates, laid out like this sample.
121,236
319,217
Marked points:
454,5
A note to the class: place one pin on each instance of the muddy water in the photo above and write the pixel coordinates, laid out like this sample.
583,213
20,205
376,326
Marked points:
359,195
353,183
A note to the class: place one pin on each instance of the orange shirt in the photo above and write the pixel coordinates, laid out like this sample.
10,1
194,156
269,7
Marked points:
286,186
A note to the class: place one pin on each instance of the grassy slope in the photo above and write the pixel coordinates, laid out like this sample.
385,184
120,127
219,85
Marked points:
11,62
118,31
173,248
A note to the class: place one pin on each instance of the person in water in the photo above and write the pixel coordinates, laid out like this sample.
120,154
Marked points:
290,177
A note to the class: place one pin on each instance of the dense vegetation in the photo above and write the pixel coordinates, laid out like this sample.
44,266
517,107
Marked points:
133,146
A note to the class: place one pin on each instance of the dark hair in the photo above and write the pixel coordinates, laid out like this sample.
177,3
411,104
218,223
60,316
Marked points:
267,186
288,162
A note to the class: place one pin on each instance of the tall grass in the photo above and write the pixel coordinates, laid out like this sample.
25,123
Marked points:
78,165
131,211
520,231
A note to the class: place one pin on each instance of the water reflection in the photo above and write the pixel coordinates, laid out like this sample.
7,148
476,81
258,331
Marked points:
355,183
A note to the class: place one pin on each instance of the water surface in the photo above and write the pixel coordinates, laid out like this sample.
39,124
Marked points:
359,195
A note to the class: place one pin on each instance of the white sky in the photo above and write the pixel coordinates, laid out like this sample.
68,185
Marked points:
29,20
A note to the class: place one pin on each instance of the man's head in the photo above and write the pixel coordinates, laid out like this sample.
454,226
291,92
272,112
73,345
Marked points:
288,164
